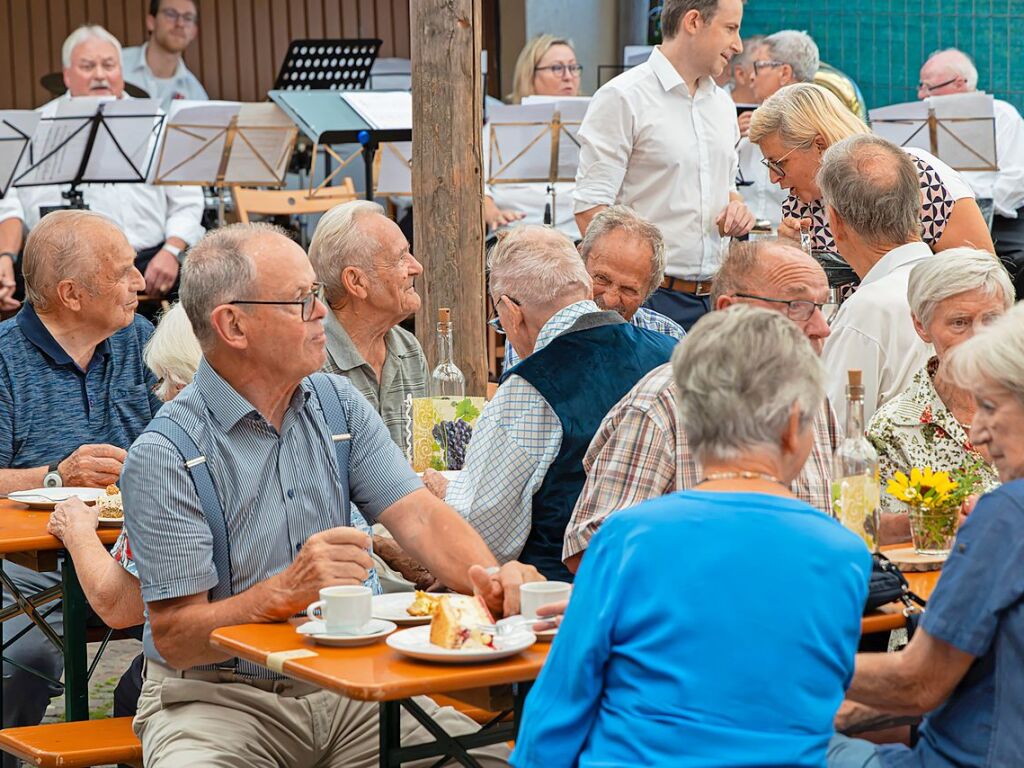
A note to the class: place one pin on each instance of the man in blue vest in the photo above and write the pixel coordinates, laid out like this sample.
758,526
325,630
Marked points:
524,466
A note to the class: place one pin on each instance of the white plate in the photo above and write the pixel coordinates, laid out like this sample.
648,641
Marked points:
448,474
415,642
392,608
48,498
375,630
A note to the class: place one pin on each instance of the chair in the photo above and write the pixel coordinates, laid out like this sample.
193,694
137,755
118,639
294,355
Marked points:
75,744
283,202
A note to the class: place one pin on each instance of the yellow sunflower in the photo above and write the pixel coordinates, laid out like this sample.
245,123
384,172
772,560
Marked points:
902,487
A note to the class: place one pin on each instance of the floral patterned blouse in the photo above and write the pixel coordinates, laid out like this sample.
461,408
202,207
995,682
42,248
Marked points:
916,429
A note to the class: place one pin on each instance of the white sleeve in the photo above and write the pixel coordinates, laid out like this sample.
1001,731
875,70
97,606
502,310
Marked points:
848,349
10,206
184,213
1009,185
606,142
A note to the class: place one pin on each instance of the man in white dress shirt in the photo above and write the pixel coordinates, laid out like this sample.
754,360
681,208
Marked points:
157,66
872,195
952,71
661,138
159,221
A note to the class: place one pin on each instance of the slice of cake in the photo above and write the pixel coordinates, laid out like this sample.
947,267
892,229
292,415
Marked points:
424,605
109,504
455,623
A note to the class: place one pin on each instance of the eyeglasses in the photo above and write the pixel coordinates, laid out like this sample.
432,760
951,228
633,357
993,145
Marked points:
495,321
188,19
558,70
767,64
931,88
796,309
307,302
775,166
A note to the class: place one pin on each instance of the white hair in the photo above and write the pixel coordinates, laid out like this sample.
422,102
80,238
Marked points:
995,354
797,49
83,33
956,271
537,266
622,218
172,352
738,374
339,242
961,64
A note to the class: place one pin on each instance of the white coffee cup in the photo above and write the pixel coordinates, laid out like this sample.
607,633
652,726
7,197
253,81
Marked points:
537,593
344,610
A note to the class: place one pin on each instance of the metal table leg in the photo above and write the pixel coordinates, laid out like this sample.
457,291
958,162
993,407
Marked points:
76,675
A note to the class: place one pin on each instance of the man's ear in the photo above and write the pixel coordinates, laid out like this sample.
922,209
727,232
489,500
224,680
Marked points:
229,323
69,294
836,223
792,431
355,282
724,302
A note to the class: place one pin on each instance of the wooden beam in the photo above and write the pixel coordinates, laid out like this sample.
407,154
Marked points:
447,178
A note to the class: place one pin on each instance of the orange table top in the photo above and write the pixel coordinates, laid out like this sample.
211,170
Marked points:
24,530
890,617
373,672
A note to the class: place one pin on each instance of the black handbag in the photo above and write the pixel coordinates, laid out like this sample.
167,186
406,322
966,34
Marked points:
889,585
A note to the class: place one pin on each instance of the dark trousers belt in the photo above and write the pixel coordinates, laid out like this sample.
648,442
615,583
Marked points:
693,287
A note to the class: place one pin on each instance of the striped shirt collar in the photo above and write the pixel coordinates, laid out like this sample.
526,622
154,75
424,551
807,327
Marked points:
227,405
562,320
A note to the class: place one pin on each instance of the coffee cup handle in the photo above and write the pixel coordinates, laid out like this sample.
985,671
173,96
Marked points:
312,608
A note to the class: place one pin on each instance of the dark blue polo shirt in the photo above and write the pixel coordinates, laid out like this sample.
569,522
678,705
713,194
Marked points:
49,406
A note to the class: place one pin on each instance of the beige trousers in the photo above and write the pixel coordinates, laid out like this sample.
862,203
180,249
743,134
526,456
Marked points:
185,723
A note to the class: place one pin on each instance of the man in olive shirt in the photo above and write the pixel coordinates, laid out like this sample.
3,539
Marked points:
368,272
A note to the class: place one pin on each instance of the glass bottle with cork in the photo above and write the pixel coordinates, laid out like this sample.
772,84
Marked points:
446,380
855,484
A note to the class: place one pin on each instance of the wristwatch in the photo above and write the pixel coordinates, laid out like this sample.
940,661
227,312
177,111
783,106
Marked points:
52,478
174,250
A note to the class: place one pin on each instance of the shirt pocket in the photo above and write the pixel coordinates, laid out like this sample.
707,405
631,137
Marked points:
131,407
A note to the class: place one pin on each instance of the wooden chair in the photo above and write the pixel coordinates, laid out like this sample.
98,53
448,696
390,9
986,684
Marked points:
76,744
283,202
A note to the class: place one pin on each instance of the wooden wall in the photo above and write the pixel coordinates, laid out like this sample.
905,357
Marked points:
236,56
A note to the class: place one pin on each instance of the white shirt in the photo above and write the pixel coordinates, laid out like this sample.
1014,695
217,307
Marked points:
874,332
1004,187
183,84
646,143
763,197
146,213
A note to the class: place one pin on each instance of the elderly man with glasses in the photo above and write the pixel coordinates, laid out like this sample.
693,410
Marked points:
158,66
641,452
523,467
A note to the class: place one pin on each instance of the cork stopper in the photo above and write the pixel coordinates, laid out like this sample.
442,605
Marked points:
444,315
854,378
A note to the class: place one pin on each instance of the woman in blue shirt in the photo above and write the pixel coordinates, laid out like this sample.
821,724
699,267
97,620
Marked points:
715,626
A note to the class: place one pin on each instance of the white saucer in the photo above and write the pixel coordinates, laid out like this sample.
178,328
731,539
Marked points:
546,635
48,498
392,607
415,643
374,631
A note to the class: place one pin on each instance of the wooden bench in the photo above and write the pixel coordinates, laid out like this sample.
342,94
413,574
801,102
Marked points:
74,745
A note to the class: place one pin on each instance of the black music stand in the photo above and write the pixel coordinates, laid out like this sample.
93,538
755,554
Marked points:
16,129
327,65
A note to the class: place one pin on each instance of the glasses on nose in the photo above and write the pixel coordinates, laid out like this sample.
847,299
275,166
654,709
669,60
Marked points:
775,166
796,309
767,64
307,302
188,19
495,321
559,70
932,88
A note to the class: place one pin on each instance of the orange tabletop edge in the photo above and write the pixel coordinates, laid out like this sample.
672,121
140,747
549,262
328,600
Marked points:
24,530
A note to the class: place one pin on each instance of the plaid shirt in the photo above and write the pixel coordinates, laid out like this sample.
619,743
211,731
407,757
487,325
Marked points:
640,452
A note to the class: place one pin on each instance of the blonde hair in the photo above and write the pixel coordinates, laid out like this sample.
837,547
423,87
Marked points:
802,111
529,57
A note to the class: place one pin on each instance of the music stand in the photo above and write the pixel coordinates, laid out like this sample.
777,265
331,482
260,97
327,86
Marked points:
16,129
327,65
393,167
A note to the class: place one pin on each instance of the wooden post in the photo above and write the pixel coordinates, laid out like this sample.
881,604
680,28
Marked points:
447,178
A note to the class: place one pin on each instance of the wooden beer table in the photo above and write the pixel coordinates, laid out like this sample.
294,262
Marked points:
377,673
24,541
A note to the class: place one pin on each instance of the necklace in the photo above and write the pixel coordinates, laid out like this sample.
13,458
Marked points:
740,476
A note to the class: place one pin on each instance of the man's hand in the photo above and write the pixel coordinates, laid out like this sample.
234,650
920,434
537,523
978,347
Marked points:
72,518
550,616
161,272
7,285
93,466
436,483
735,220
501,590
790,227
496,217
744,122
331,557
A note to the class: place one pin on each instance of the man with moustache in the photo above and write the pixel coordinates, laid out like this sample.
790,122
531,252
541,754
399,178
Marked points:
157,66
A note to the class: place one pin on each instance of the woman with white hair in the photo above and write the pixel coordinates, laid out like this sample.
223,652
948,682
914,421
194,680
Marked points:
716,625
951,298
798,123
964,666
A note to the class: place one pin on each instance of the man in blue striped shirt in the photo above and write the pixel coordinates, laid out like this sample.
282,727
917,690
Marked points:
255,416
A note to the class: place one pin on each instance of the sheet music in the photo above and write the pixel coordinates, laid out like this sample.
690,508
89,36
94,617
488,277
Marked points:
193,141
384,110
519,140
17,127
395,174
905,125
262,146
125,140
58,147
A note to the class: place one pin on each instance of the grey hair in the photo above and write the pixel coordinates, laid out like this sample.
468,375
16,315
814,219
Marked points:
172,352
796,48
873,186
340,242
995,353
537,266
957,271
960,63
744,57
622,218
55,251
737,377
219,270
83,33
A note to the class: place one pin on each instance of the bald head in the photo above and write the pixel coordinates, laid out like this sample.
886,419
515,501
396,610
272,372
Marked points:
947,71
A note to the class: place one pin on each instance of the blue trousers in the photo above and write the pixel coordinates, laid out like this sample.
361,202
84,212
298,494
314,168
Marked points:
685,308
845,752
